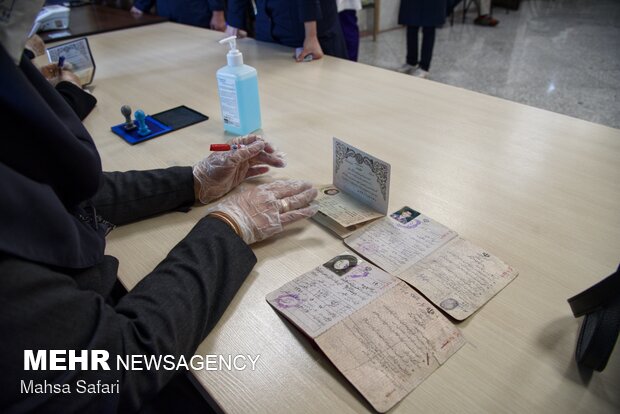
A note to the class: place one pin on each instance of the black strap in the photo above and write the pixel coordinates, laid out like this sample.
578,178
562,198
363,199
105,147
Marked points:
593,298
600,327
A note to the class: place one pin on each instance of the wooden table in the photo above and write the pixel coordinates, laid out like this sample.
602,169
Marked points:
94,18
538,189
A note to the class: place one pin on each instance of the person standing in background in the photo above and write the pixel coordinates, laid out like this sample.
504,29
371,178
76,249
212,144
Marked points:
347,13
484,14
205,13
416,14
311,25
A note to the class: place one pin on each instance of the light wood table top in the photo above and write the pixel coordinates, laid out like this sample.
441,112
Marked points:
538,189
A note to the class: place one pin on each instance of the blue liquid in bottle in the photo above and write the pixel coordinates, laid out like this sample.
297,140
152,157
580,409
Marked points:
238,90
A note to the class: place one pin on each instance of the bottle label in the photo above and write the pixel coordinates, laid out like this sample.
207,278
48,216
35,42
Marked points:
228,100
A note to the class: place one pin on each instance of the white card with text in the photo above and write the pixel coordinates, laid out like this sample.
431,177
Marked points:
362,176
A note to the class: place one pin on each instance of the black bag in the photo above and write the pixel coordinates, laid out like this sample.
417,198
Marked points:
599,331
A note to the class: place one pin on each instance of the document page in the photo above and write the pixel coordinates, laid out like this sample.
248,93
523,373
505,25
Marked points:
332,225
319,299
395,243
359,193
344,209
361,176
456,275
388,347
460,277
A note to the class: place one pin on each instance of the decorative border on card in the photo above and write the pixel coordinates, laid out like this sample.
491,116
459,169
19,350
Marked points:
378,168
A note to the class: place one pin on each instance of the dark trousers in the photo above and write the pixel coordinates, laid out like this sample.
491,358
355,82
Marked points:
428,41
351,32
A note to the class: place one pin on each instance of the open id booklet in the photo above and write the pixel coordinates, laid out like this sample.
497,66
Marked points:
453,273
359,192
382,335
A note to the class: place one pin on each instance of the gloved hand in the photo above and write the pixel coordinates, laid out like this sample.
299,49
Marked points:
55,75
262,211
36,45
233,31
136,12
220,172
311,44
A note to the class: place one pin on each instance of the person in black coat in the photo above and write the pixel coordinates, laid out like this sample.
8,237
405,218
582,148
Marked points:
59,291
425,14
201,13
309,24
64,80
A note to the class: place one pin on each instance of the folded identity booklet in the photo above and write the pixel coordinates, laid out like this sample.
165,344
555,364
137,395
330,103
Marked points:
359,193
382,335
453,273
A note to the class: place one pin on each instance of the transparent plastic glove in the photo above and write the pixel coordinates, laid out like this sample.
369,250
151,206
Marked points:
269,148
233,31
311,47
54,75
35,45
262,211
220,172
136,12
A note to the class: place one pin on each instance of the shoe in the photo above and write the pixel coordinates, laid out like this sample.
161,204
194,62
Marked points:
486,20
407,68
420,73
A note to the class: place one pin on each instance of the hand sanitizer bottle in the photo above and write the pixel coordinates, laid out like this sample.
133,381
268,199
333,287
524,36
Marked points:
238,89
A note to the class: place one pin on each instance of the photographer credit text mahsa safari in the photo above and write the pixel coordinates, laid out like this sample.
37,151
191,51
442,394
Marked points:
99,360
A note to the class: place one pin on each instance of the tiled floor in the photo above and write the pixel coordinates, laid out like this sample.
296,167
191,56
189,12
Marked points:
559,55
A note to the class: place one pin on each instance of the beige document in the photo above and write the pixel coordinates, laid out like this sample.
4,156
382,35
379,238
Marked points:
340,213
390,346
359,191
317,300
460,277
344,209
381,334
395,246
456,275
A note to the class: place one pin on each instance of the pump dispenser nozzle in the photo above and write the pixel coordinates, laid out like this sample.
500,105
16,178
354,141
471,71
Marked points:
234,57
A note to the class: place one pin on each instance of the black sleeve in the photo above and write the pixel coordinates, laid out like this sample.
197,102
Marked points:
168,313
29,54
217,5
309,10
144,5
124,197
78,99
236,12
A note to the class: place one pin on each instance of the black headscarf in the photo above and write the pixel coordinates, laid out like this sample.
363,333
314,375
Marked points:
49,169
